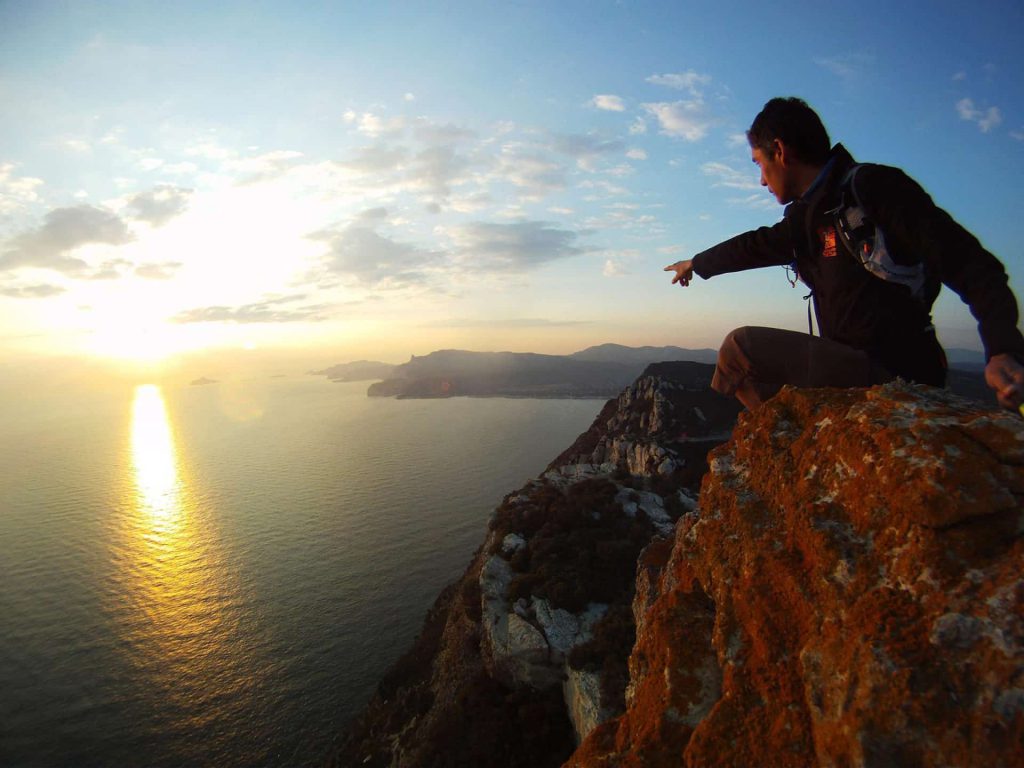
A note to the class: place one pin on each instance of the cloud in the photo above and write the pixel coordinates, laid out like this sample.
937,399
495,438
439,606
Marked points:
529,169
376,159
690,81
38,291
759,201
512,322
985,120
849,68
16,191
587,150
959,77
584,145
265,167
608,102
373,125
516,247
63,230
636,154
613,268
373,214
1018,135
729,177
686,120
370,259
158,271
160,204
638,127
270,310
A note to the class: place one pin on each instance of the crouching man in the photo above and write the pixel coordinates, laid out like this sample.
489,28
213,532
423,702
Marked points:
875,251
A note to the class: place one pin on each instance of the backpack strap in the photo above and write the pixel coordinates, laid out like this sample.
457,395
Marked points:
865,241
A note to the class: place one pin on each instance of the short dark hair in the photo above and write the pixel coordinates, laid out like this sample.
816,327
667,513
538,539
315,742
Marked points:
793,123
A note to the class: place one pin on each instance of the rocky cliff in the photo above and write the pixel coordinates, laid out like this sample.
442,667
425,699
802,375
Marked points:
839,583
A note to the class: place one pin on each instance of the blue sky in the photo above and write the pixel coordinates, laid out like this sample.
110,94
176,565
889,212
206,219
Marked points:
353,180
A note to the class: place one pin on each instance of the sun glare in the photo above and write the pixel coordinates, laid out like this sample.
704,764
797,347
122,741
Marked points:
153,454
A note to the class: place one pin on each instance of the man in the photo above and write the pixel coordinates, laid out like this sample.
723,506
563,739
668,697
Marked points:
872,329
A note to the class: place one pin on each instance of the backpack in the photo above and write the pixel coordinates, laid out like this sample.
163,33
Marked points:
866,242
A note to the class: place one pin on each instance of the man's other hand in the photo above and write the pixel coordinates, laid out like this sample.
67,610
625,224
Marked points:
683,270
1006,376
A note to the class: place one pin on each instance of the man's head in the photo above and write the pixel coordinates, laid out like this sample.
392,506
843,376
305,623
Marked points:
790,144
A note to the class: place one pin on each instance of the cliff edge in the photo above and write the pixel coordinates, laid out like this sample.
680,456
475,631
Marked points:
837,584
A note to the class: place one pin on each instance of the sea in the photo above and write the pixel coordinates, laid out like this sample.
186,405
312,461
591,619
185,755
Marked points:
219,575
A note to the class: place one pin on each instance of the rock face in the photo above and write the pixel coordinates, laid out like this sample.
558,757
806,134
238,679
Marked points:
848,593
846,590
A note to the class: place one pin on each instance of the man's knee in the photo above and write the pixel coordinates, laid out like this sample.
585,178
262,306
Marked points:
736,345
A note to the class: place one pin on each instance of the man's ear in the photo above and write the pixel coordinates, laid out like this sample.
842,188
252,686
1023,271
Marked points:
780,153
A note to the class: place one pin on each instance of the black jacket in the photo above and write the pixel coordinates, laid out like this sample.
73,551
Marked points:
856,308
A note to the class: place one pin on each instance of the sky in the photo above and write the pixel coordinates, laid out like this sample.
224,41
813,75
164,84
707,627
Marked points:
186,184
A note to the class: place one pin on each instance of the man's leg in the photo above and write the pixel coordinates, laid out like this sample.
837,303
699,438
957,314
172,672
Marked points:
754,363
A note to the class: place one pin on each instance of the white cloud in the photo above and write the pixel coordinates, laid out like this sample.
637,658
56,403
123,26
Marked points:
1018,135
373,125
179,169
63,230
34,291
269,310
959,77
613,268
511,322
79,146
636,154
517,247
264,167
729,177
986,120
159,205
16,191
686,120
759,201
638,127
690,81
158,271
359,253
608,102
150,163
409,97
530,170
850,67
210,150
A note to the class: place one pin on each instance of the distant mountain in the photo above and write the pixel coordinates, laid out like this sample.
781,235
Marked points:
600,371
616,353
360,370
965,359
453,372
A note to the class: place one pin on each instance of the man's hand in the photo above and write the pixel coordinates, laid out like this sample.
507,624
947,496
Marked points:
683,270
1006,376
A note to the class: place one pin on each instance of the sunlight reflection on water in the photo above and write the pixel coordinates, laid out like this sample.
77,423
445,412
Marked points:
183,602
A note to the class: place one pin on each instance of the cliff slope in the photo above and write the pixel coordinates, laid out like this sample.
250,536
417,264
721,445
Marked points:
844,590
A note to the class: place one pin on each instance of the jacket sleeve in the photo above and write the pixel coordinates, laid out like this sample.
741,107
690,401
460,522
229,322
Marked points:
763,247
910,220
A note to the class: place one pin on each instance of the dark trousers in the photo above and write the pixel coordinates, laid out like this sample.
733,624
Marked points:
768,358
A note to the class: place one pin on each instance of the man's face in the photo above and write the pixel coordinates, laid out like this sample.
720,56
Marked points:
775,174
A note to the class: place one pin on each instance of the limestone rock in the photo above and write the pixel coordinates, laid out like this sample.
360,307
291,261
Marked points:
850,592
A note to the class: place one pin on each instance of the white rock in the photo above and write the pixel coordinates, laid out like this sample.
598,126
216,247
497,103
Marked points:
512,543
582,693
561,628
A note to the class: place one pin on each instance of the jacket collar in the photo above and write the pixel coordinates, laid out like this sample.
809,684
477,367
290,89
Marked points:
835,168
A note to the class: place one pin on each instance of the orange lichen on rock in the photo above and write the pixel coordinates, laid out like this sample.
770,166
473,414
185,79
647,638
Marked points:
849,592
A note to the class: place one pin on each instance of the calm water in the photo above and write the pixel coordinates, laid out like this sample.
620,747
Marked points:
219,575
